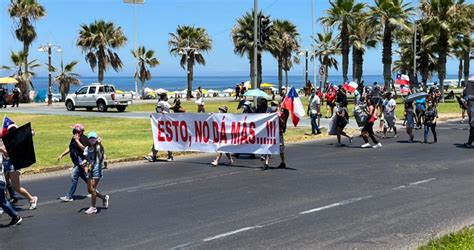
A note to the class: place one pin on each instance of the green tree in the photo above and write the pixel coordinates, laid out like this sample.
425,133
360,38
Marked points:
25,13
363,36
341,14
98,42
66,78
327,47
283,43
18,71
189,43
146,60
390,15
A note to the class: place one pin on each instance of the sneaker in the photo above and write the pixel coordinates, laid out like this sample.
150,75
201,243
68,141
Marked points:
265,167
15,221
378,145
395,136
262,158
350,139
319,132
106,201
367,145
150,158
214,163
170,158
467,145
1,211
89,195
13,201
231,161
282,165
91,210
34,203
66,199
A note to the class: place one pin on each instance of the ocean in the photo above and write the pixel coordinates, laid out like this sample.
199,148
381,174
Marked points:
173,83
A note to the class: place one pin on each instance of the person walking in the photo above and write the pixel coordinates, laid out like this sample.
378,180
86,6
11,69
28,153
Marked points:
420,105
76,152
94,159
4,203
162,107
215,163
13,176
237,92
282,119
200,100
389,106
471,125
314,112
431,115
16,96
330,101
409,121
368,129
342,119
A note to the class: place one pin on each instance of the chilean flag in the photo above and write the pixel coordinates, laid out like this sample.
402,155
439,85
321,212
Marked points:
402,80
350,87
293,104
6,122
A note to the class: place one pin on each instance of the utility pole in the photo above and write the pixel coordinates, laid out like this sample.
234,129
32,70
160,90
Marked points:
255,47
135,24
414,51
47,48
313,52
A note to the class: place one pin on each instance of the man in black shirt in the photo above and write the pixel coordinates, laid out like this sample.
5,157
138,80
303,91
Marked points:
76,151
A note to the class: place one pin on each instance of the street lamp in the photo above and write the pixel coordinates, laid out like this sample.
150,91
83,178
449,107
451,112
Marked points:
135,2
305,54
47,48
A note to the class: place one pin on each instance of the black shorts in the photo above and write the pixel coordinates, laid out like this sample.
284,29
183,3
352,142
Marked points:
331,104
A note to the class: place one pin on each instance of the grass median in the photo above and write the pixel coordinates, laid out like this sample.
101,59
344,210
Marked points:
463,239
124,139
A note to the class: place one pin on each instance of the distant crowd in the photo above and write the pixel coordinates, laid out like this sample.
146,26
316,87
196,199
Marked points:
7,98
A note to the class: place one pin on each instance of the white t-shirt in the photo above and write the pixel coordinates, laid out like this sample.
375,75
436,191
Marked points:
389,108
165,106
314,105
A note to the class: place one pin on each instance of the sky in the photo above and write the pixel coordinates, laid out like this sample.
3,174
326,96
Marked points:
158,18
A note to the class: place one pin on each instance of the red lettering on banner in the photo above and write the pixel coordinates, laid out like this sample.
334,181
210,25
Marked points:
223,135
215,131
252,133
160,130
183,127
205,132
243,136
169,132
176,126
198,127
235,133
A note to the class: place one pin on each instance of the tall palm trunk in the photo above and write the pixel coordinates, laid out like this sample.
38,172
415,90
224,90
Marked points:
190,77
259,69
443,53
326,68
143,88
101,63
345,49
280,73
286,79
359,61
460,68
354,64
387,55
467,60
252,70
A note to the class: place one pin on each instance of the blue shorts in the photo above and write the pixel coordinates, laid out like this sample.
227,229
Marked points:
8,166
95,172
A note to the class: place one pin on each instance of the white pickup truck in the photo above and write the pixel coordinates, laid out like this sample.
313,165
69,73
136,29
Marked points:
100,96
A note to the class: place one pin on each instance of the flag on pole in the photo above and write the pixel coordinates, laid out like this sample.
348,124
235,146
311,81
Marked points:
6,123
402,80
20,148
293,104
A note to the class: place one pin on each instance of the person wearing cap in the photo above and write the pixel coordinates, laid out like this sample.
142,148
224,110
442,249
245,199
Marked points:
215,163
94,159
162,107
13,176
76,152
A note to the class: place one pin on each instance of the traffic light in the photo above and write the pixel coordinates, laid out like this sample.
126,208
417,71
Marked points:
264,29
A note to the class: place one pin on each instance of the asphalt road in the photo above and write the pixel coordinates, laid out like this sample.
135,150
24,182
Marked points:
330,198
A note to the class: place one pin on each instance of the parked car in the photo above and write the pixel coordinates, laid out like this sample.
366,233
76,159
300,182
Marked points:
98,95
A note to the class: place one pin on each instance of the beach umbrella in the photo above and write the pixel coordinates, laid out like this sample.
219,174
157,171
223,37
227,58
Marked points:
228,90
161,91
266,85
256,93
247,85
184,91
211,91
8,80
415,96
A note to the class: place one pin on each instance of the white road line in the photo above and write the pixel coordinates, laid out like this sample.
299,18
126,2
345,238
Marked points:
399,187
422,181
228,234
337,204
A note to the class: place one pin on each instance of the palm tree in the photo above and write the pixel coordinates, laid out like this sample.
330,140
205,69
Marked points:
98,41
189,43
363,36
25,13
390,15
146,60
443,16
242,36
18,68
326,48
283,43
341,14
66,78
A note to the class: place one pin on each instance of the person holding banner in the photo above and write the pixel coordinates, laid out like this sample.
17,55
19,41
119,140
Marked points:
215,163
4,203
94,159
282,119
200,101
162,107
12,175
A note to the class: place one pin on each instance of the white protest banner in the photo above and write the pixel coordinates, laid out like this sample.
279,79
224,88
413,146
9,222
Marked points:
219,132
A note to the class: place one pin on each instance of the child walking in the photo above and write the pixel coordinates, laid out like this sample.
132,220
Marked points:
94,159
410,120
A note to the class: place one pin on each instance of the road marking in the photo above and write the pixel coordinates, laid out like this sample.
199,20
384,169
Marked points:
337,204
422,181
228,234
399,187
